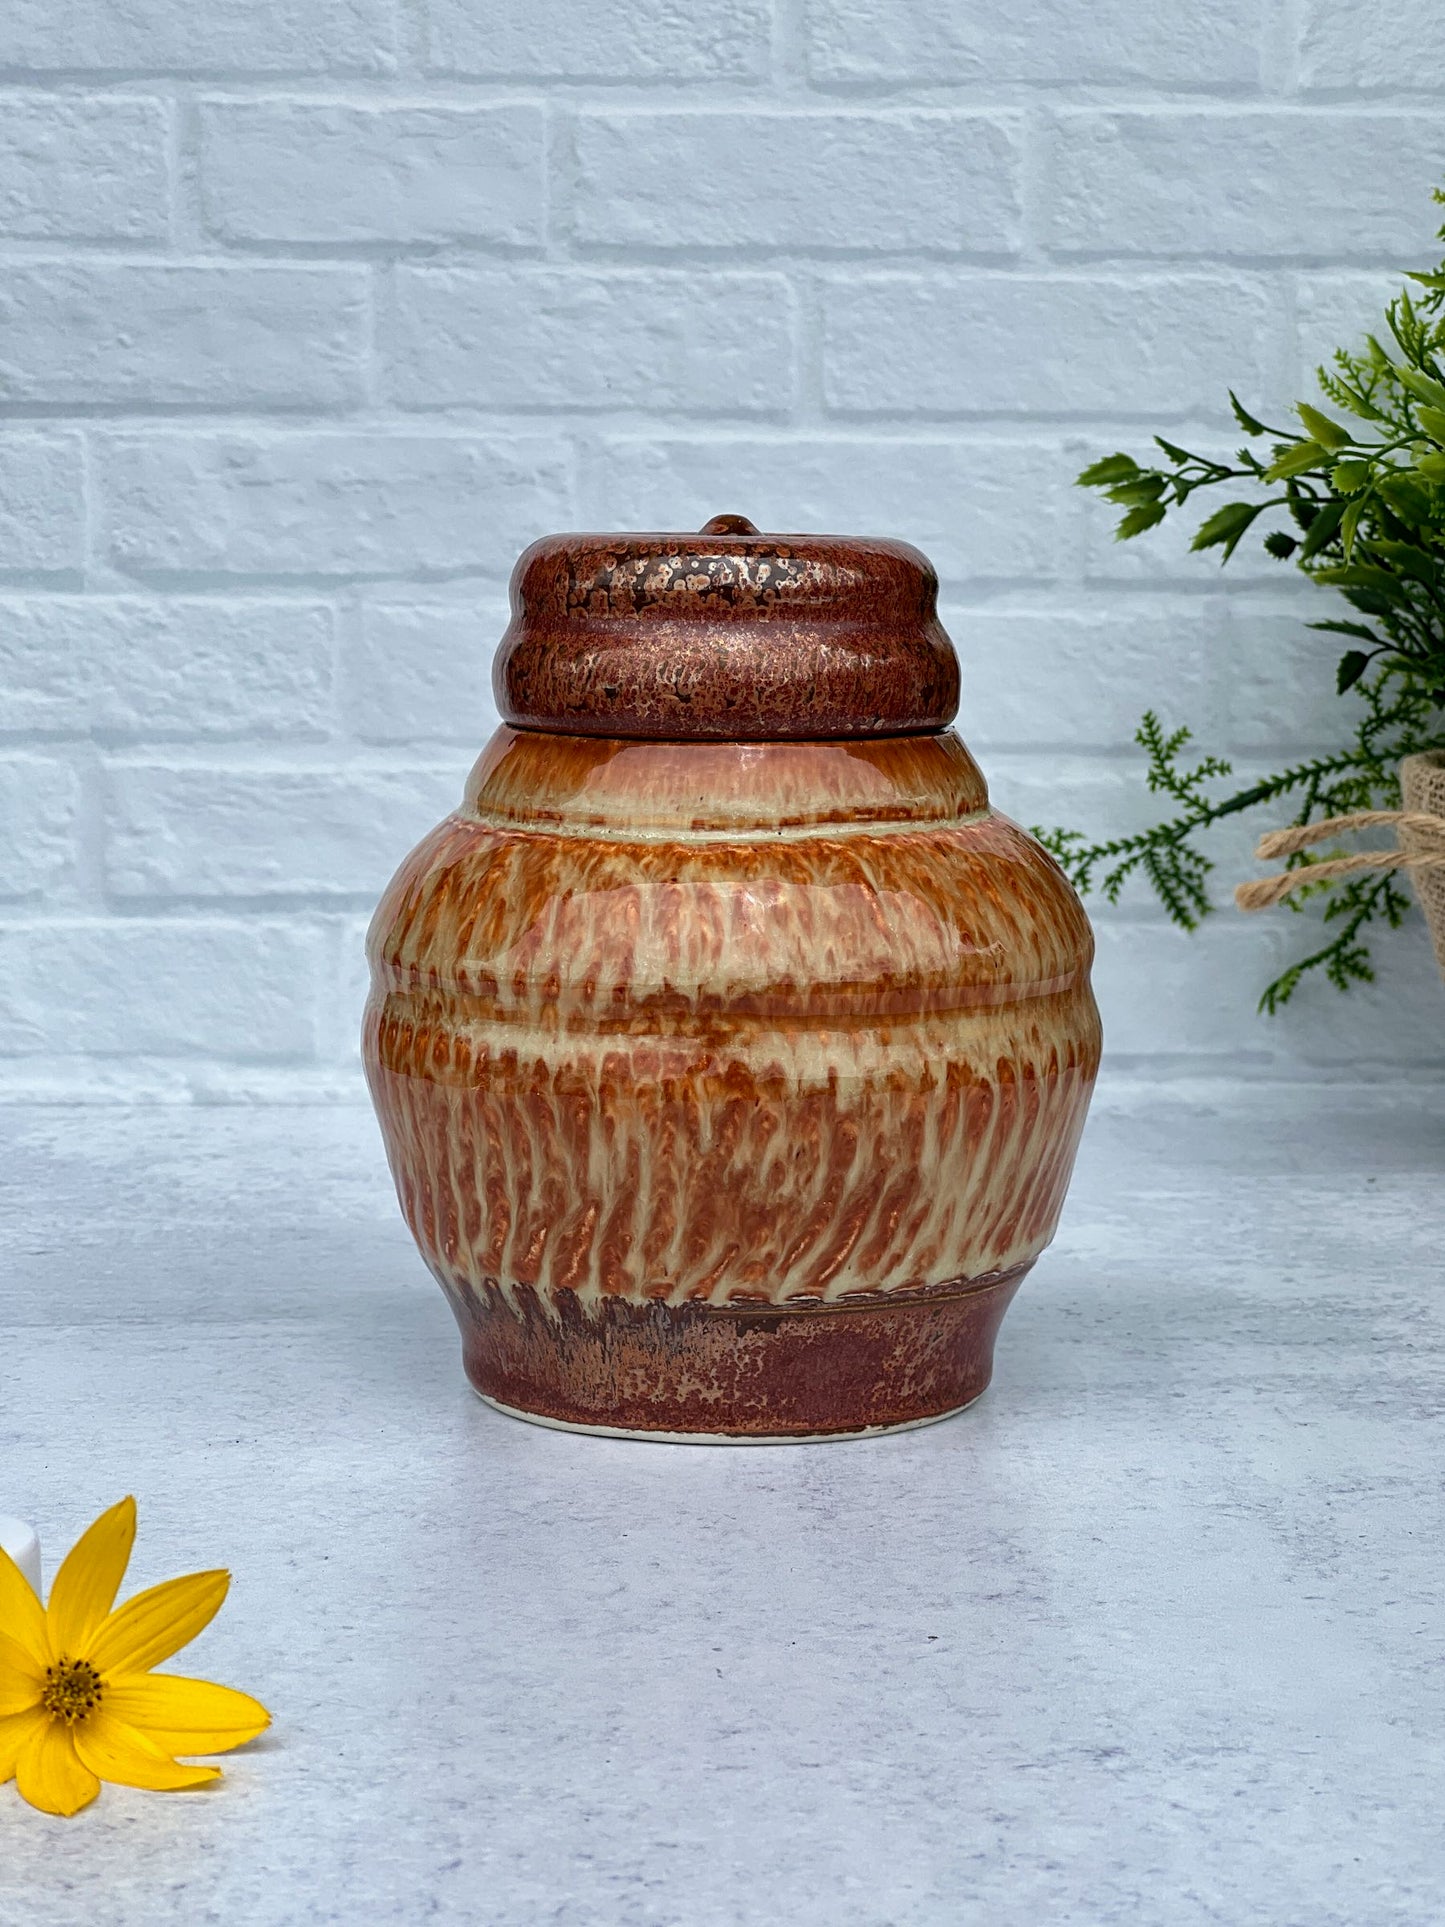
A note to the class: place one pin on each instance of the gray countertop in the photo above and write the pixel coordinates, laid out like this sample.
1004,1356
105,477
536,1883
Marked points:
1152,1634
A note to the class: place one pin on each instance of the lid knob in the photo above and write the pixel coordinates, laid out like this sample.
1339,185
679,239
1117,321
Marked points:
729,525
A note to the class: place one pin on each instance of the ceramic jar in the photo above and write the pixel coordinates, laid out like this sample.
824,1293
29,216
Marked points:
730,1052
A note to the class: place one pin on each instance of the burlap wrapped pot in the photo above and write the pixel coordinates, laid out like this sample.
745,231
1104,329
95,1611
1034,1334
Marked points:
1422,786
1419,827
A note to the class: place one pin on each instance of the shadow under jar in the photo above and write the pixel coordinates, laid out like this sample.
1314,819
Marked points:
730,1052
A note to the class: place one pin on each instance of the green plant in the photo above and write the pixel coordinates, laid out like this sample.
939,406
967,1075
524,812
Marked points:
1357,502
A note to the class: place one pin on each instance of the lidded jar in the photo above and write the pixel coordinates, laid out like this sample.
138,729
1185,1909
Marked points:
730,1052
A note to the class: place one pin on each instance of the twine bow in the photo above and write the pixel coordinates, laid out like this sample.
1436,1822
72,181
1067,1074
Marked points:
1267,891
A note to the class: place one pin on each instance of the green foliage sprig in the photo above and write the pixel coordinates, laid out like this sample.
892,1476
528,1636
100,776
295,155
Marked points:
1357,502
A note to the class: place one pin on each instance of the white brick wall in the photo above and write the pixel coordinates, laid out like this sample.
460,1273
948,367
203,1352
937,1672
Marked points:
83,170
42,505
314,312
143,336
298,170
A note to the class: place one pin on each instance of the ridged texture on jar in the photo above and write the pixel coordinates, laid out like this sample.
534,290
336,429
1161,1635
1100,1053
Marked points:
729,1024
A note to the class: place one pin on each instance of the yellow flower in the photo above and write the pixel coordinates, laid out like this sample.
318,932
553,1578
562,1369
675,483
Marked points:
78,1701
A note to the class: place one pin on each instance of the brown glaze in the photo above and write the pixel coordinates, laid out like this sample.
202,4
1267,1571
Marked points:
583,784
730,1087
773,1374
728,635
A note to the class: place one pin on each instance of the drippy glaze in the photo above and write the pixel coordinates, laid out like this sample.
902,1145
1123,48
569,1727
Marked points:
728,1025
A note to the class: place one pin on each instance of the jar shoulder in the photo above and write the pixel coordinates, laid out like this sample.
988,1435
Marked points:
896,873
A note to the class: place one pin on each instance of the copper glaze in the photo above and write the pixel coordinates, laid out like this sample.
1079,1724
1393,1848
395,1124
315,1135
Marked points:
730,1084
728,634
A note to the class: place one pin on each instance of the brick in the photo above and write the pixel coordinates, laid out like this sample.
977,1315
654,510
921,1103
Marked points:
225,36
1249,184
1166,994
212,831
801,181
131,666
83,170
641,40
1163,991
142,987
557,338
1159,347
282,170
42,505
1063,679
1391,1022
1279,674
1111,42
422,672
1337,311
40,806
981,511
146,335
1371,46
309,503
1100,796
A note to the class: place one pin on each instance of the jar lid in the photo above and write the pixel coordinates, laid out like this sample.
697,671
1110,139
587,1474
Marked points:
728,634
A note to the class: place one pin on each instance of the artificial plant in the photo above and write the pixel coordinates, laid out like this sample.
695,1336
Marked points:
1354,498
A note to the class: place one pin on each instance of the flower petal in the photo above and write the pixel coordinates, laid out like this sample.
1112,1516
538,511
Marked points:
156,1623
186,1715
21,1678
22,1617
15,1730
84,1589
49,1774
118,1753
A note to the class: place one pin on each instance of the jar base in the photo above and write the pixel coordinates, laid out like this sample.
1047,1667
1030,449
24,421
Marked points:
653,1437
736,1374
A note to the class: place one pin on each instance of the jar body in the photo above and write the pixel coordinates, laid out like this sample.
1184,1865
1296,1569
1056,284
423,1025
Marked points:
730,1088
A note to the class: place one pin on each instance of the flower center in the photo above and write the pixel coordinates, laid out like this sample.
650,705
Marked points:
71,1691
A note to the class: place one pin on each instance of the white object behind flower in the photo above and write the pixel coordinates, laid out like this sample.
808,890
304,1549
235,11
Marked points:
20,1542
